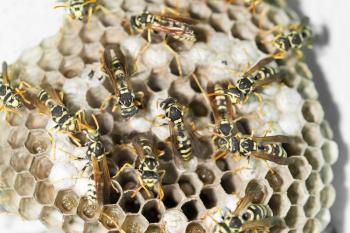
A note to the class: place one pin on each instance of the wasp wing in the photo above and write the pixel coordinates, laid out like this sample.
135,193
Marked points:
275,159
106,60
263,62
106,177
262,225
98,180
252,191
278,138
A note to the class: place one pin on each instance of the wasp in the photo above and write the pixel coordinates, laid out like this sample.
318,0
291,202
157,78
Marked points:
181,137
81,9
11,99
247,216
297,36
259,75
172,25
147,165
125,97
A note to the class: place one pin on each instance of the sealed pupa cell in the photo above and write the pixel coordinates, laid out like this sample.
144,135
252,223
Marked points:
38,142
24,184
41,167
29,208
21,160
134,223
67,201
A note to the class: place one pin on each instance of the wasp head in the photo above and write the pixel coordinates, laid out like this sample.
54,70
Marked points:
138,22
167,103
77,11
282,43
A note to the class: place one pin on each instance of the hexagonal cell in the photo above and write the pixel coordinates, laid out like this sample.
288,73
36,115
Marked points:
312,134
73,224
312,226
41,167
190,184
315,158
279,178
38,142
51,217
312,206
172,196
297,193
87,210
67,201
24,184
327,196
195,227
17,137
36,120
295,217
91,52
92,32
192,209
209,197
153,211
330,152
9,201
131,203
299,167
112,216
279,204
327,174
14,119
207,174
314,183
71,66
135,223
7,177
313,111
232,183
115,193
45,192
222,164
155,228
29,208
326,130
21,160
6,154
50,60
70,45
128,180
324,216
174,220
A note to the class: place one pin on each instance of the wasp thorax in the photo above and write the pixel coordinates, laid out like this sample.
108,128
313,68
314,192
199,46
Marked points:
13,102
235,95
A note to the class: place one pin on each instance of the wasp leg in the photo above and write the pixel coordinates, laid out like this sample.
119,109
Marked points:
139,99
161,192
106,101
261,102
127,165
220,155
142,186
22,85
176,56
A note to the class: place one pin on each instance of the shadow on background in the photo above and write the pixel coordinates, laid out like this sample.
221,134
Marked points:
332,114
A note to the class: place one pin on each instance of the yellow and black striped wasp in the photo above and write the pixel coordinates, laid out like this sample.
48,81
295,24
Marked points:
147,165
11,99
297,36
172,25
182,138
259,75
48,101
229,140
126,99
248,215
81,9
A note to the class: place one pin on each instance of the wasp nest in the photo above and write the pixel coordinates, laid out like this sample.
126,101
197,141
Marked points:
40,180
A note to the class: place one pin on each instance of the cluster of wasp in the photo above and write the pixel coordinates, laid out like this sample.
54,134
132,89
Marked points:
222,98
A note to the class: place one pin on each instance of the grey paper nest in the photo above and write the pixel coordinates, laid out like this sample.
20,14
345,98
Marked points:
31,181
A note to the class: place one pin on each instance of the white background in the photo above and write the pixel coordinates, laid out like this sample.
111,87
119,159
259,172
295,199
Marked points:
23,23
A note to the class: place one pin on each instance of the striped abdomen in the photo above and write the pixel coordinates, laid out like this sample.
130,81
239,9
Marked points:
272,149
256,212
184,144
9,98
91,192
